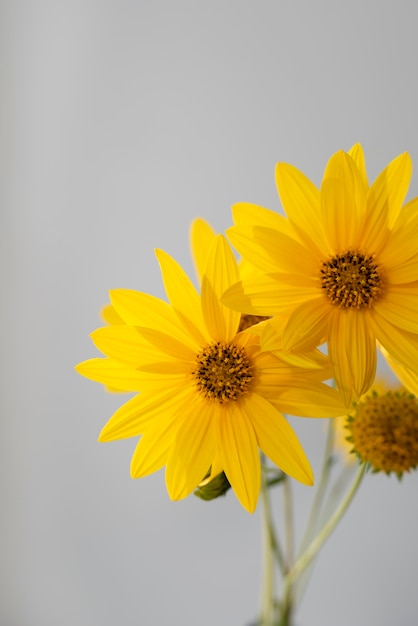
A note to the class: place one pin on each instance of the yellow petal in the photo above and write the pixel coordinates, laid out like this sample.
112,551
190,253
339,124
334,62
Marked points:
374,232
309,399
151,451
266,295
239,455
286,254
307,325
352,349
125,344
109,315
401,345
180,290
357,154
111,373
401,245
201,236
300,199
243,240
408,377
246,214
389,190
141,309
192,451
343,211
221,272
399,307
405,273
277,439
145,411
166,346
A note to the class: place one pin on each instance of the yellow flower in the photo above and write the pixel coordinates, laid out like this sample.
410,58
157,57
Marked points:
207,397
383,430
341,442
342,265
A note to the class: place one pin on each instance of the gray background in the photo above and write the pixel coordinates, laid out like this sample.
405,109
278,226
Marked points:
121,122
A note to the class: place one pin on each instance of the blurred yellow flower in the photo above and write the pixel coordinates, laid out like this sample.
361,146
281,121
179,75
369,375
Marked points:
207,396
341,265
383,430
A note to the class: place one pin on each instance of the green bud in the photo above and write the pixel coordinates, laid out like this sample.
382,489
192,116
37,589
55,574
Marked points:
218,486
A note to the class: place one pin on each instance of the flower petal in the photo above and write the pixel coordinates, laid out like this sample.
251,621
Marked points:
357,154
125,344
265,295
166,346
146,411
307,325
300,199
400,345
201,236
389,190
408,377
399,307
239,454
109,315
152,450
352,349
286,254
111,373
221,272
193,450
180,290
246,214
309,399
402,243
141,309
242,238
343,204
277,439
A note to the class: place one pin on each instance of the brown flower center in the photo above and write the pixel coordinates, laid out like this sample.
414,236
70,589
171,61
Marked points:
223,372
248,320
384,431
352,280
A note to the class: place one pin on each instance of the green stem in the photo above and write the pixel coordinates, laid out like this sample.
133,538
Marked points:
321,489
267,598
305,559
288,522
286,606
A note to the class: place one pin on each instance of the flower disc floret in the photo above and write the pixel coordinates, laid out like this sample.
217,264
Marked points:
223,372
384,431
352,280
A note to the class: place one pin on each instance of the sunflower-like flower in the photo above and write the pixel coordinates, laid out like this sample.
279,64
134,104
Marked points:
342,266
207,397
382,430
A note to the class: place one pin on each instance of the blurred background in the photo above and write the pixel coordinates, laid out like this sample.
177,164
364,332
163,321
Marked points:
120,123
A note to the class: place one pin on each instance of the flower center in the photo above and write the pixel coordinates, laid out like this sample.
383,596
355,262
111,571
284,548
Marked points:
248,320
223,372
352,280
384,431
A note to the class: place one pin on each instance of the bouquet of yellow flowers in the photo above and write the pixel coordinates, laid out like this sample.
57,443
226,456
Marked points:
291,328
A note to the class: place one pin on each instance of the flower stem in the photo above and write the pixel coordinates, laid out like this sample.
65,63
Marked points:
267,598
320,491
271,550
288,522
305,559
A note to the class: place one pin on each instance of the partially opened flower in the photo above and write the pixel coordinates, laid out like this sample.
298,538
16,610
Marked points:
342,265
208,399
382,430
